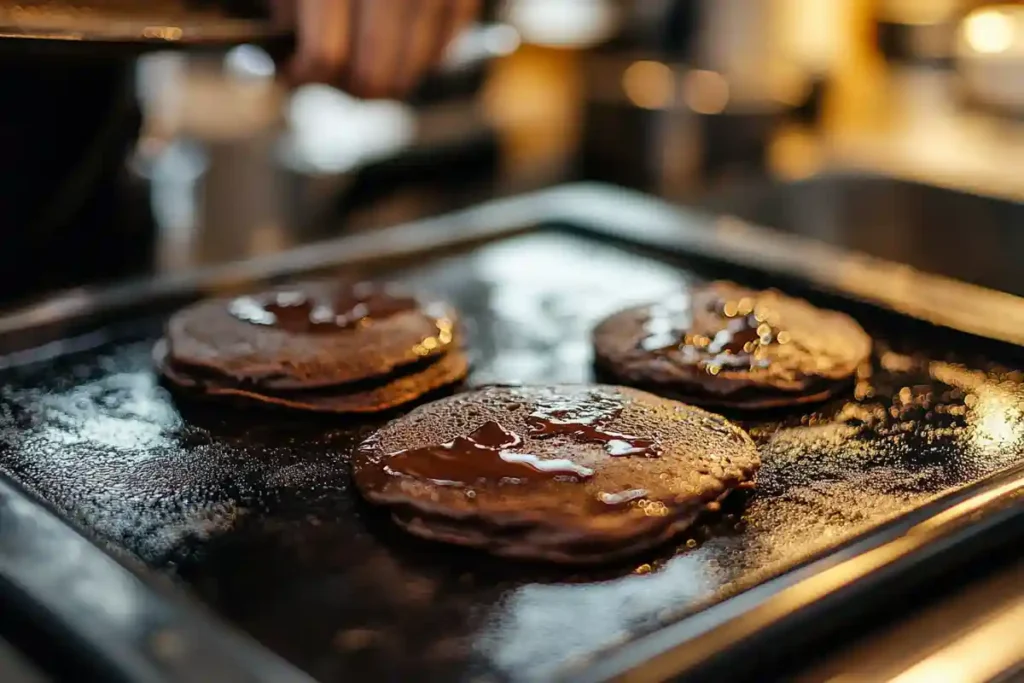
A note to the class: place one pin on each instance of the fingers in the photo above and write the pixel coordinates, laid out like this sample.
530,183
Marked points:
372,48
422,45
380,44
437,26
324,30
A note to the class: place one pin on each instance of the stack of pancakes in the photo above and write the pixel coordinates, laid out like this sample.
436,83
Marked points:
329,347
730,347
569,474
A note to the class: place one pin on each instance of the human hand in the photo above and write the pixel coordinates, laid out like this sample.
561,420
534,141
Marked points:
371,48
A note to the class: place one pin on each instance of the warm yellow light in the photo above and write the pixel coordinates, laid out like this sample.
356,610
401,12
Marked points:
989,31
169,33
648,84
706,92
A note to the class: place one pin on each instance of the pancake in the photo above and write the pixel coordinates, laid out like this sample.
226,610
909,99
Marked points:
370,396
311,335
570,474
723,345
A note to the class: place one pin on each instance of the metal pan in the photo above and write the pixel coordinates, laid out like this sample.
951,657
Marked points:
916,471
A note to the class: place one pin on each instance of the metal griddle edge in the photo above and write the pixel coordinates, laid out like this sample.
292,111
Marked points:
123,623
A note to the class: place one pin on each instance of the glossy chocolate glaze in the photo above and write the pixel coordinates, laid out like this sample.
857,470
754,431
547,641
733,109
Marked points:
302,313
485,455
585,422
723,344
493,454
733,333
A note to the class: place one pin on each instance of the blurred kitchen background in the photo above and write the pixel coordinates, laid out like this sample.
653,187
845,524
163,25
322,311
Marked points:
715,103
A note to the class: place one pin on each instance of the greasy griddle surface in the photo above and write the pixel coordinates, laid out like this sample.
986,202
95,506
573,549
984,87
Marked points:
257,513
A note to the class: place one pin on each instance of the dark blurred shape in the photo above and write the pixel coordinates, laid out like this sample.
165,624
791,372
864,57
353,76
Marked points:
921,44
811,109
679,33
238,8
961,235
69,207
466,70
735,145
660,116
15,668
72,212
630,89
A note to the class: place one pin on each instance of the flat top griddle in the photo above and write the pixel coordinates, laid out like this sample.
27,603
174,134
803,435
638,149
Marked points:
254,512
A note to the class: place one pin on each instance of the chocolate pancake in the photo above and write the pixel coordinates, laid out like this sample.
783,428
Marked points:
310,335
369,396
723,345
572,474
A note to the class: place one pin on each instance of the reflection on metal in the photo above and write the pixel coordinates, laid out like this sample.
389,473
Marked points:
995,418
995,412
118,621
531,619
169,33
964,512
649,85
665,657
970,637
130,25
993,649
70,36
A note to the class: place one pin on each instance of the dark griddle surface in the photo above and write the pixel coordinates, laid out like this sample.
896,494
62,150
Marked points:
255,511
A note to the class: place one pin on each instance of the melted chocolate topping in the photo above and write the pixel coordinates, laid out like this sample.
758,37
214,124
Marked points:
727,334
492,454
482,456
584,421
298,312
